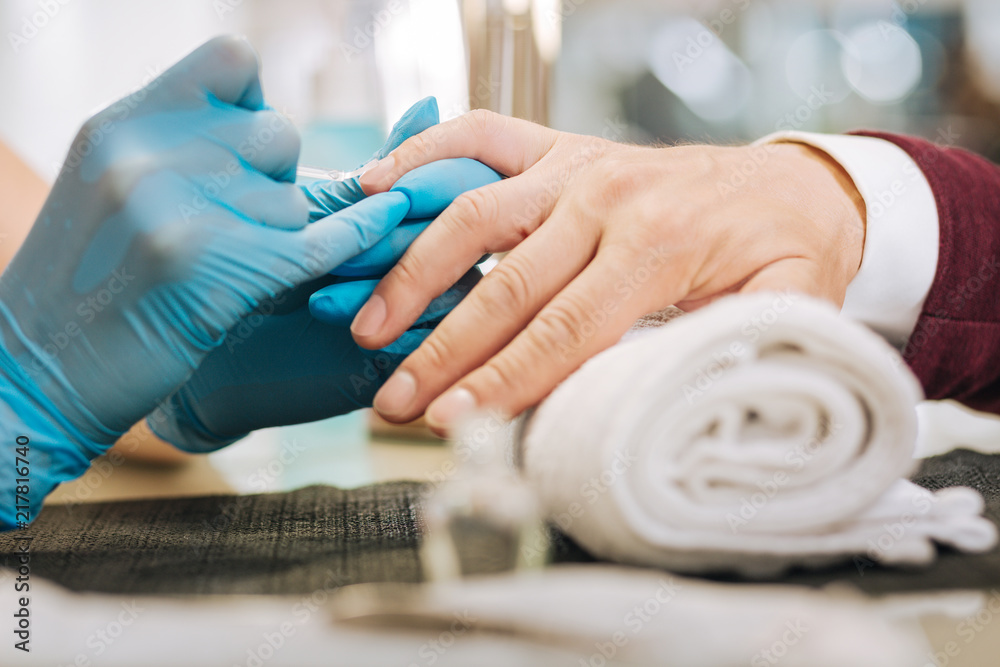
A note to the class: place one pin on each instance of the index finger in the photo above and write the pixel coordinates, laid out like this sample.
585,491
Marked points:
508,145
337,238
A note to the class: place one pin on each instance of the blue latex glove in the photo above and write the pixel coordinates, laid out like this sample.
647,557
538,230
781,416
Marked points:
430,189
282,366
174,217
327,197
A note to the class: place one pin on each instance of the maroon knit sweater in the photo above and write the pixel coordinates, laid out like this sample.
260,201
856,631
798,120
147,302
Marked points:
955,348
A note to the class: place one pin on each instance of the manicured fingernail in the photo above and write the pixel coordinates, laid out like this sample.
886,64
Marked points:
395,396
450,407
374,176
370,318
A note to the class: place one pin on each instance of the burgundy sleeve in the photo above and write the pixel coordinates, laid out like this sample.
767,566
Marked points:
955,348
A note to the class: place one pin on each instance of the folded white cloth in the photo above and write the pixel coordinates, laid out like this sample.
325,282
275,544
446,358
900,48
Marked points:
755,434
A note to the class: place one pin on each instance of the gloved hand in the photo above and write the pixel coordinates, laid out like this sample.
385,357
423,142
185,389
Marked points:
434,187
174,217
281,365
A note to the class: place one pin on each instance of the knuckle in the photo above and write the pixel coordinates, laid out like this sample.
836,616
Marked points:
620,180
437,351
590,146
119,180
235,52
167,250
581,151
507,371
635,238
97,136
475,208
93,124
415,151
482,122
520,227
560,320
698,159
408,272
510,286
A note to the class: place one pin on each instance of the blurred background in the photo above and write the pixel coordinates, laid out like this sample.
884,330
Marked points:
635,70
630,70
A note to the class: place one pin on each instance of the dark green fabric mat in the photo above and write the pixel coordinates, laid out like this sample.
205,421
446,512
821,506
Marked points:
282,543
322,537
960,467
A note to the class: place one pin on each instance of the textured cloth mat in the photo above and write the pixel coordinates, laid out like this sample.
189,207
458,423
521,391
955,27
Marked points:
320,537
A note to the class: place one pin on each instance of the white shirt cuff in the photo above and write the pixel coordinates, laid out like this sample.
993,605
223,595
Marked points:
901,237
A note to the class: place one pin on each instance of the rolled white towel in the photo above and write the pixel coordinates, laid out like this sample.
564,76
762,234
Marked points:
757,433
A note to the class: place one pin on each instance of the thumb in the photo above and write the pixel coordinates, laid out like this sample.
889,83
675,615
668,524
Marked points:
337,238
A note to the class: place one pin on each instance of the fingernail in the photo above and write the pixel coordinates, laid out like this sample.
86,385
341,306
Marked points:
447,409
396,395
370,318
374,176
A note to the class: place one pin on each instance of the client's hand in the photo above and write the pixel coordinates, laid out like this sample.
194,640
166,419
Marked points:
600,233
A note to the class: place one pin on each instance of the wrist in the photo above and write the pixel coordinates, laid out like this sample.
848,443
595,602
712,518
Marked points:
38,372
54,450
822,190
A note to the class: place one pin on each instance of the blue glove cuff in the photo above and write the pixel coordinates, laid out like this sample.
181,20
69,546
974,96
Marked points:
56,450
21,353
